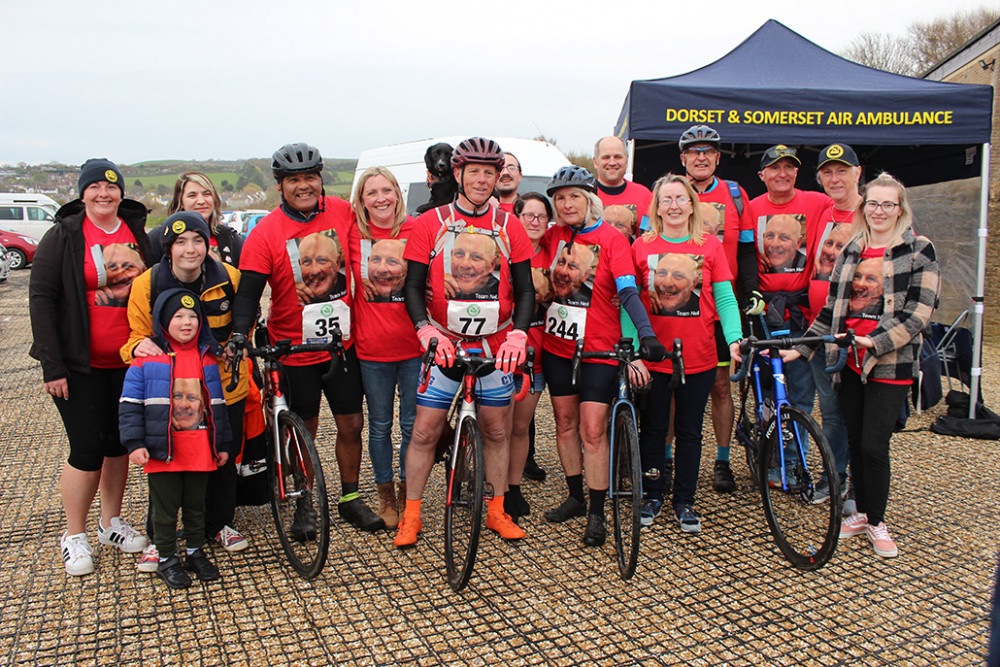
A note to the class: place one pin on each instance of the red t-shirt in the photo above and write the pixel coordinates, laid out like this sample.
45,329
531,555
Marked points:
786,246
635,196
582,286
721,199
507,207
835,226
472,298
675,283
382,329
111,261
321,263
867,304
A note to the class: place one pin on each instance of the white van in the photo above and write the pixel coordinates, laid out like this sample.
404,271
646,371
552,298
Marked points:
539,160
27,213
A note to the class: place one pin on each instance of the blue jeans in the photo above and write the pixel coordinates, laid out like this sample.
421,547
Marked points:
829,408
381,380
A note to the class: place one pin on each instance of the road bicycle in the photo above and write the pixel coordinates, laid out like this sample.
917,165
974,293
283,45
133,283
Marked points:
786,451
465,474
625,468
298,499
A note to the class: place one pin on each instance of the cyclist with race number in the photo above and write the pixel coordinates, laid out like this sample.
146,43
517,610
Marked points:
301,250
475,260
591,264
686,286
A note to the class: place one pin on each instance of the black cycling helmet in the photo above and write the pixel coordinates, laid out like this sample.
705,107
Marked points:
572,176
699,134
296,159
478,150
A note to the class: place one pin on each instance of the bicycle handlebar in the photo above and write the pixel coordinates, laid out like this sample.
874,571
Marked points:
623,352
284,348
473,362
786,343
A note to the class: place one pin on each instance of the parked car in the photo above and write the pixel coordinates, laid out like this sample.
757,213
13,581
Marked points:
20,248
252,222
29,218
4,266
240,219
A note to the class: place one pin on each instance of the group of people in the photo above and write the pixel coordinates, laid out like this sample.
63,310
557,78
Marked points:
136,332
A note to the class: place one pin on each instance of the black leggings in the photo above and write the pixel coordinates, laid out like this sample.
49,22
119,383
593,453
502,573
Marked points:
870,410
90,416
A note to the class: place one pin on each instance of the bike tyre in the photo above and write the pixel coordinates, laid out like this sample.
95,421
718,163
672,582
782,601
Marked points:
302,476
626,491
805,533
463,515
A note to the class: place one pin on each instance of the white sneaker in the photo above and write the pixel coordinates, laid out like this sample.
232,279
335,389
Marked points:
230,539
77,554
121,535
150,559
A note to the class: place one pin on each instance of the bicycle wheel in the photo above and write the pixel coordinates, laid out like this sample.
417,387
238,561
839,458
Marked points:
298,497
805,533
626,490
748,430
463,512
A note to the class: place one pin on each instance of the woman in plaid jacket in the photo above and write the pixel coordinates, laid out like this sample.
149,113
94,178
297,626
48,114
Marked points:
885,286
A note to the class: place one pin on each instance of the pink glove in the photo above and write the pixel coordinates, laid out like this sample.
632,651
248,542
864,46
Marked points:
445,354
512,353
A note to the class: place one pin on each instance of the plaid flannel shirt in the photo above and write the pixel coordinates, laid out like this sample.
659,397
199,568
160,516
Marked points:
911,281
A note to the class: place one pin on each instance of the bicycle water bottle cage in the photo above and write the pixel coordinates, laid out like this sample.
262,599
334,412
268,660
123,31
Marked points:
782,332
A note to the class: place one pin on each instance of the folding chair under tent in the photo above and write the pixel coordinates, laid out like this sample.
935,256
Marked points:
778,87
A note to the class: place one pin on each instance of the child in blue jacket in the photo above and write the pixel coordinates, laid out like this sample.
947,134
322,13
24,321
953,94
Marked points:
173,422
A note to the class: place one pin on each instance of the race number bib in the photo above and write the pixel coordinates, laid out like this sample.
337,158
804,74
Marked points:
567,322
473,318
319,319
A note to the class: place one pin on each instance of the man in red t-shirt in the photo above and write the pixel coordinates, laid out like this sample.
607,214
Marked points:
784,215
473,259
508,181
301,250
611,162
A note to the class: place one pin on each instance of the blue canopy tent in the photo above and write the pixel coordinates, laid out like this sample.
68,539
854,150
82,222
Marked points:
778,87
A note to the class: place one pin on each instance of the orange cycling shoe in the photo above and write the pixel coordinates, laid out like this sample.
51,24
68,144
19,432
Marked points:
409,526
500,522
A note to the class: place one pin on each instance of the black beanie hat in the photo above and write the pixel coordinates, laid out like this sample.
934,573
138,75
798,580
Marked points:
99,169
183,221
173,301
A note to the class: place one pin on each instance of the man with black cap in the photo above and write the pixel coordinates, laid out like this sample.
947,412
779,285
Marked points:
786,290
271,255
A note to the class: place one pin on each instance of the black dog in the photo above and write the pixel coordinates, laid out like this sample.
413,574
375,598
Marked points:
440,178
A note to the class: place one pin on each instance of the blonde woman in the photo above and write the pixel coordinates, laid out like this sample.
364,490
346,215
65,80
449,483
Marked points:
194,191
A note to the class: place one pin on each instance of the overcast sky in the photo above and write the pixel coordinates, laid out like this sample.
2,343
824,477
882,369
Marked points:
138,80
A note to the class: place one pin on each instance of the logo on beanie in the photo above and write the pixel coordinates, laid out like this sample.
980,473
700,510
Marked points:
187,301
178,227
110,176
835,151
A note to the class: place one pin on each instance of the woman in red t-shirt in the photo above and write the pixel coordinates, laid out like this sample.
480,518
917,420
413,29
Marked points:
534,211
686,285
80,282
387,345
885,286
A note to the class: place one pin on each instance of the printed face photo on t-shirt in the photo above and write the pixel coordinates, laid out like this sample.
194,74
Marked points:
622,218
318,267
867,289
213,251
187,404
713,217
674,282
472,266
835,236
383,270
117,266
572,273
543,286
781,242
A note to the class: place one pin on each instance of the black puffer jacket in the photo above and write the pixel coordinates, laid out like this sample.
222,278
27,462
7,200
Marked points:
57,292
229,240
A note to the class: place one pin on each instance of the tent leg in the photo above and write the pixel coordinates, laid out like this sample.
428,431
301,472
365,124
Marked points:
979,300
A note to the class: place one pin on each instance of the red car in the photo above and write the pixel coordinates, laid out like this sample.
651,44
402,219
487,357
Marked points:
20,248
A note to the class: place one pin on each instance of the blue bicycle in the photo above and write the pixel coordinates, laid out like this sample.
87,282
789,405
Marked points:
783,463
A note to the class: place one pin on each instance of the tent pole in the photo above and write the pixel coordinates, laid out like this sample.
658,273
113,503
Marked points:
979,299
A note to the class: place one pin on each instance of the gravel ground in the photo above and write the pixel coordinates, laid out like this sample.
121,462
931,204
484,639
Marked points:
722,597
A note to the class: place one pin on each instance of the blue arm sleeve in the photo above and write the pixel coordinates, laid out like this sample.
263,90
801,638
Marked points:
632,304
746,236
729,311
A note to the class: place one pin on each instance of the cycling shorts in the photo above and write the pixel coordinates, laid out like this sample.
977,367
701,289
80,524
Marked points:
598,382
342,389
492,390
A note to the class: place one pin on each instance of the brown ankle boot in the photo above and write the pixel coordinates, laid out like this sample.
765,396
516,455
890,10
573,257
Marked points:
387,505
401,499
